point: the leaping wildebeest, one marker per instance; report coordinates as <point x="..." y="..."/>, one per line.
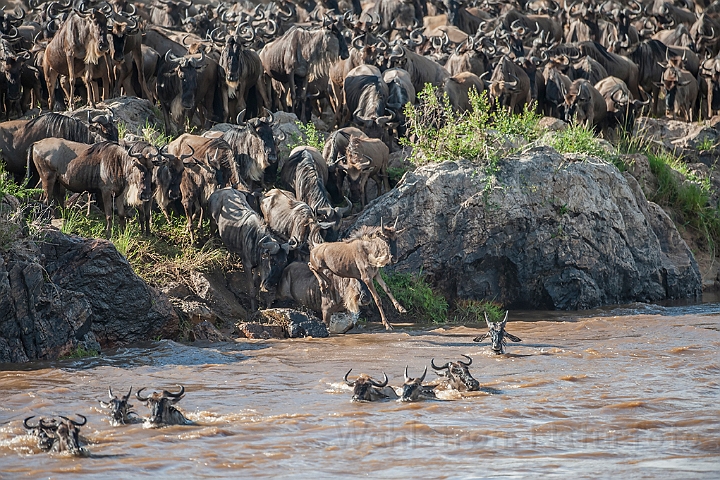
<point x="360" y="256"/>
<point x="162" y="408"/>
<point x="497" y="335"/>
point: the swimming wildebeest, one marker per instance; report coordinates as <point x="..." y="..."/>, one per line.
<point x="457" y="375"/>
<point x="413" y="389"/>
<point x="59" y="437"/>
<point x="497" y="335"/>
<point x="162" y="409"/>
<point x="120" y="409"/>
<point x="365" y="389"/>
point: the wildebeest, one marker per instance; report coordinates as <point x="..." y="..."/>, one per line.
<point x="104" y="168"/>
<point x="215" y="153"/>
<point x="457" y="375"/>
<point x="243" y="73"/>
<point x="365" y="389"/>
<point x="243" y="231"/>
<point x="413" y="389"/>
<point x="169" y="13"/>
<point x="366" y="158"/>
<point x="422" y="70"/>
<point x="177" y="87"/>
<point x="298" y="283"/>
<point x="584" y="104"/>
<point x="82" y="37"/>
<point x="59" y="437"/>
<point x="458" y="89"/>
<point x="302" y="173"/>
<point x="292" y="218"/>
<point x="162" y="408"/>
<point x="43" y="432"/>
<point x="366" y="94"/>
<point x="120" y="408"/>
<point x="360" y="256"/>
<point x="681" y="90"/>
<point x="17" y="136"/>
<point x="253" y="144"/>
<point x="305" y="54"/>
<point x="509" y="86"/>
<point x="621" y="108"/>
<point x="497" y="335"/>
<point x="333" y="151"/>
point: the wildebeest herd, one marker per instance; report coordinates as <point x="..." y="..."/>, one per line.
<point x="226" y="68"/>
<point x="62" y="434"/>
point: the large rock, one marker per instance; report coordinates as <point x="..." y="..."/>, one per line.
<point x="135" y="113"/>
<point x="297" y="324"/>
<point x="64" y="291"/>
<point x="544" y="231"/>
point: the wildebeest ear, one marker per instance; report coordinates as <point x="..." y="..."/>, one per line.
<point x="513" y="337"/>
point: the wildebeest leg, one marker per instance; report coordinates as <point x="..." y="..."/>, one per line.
<point x="188" y="214"/>
<point x="655" y="100"/>
<point x="382" y="284"/>
<point x="51" y="77"/>
<point x="70" y="57"/>
<point x="121" y="212"/>
<point x="368" y="281"/>
<point x="108" y="201"/>
<point x="323" y="280"/>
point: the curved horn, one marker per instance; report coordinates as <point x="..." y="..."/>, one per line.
<point x="174" y="395"/>
<point x="29" y="427"/>
<point x="110" y="394"/>
<point x="139" y="397"/>
<point x="345" y="210"/>
<point x="77" y="424"/>
<point x="374" y="383"/>
<point x="423" y="375"/>
<point x="348" y="382"/>
<point x="192" y="152"/>
<point x="432" y="364"/>
<point x="239" y="117"/>
<point x="406" y="374"/>
<point x="469" y="361"/>
<point x="127" y="397"/>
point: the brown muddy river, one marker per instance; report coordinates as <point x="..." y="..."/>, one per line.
<point x="632" y="393"/>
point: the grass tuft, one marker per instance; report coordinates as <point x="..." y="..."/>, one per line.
<point x="578" y="138"/>
<point x="473" y="311"/>
<point x="309" y="136"/>
<point x="414" y="293"/>
<point x="80" y="352"/>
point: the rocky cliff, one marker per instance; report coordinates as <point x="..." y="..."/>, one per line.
<point x="62" y="292"/>
<point x="544" y="231"/>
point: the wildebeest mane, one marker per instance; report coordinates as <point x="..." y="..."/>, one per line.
<point x="58" y="126"/>
<point x="354" y="88"/>
<point x="309" y="183"/>
<point x="363" y="233"/>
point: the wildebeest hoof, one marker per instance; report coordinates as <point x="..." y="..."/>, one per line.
<point x="401" y="309"/>
<point x="388" y="327"/>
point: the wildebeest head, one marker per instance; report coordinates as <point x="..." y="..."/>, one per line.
<point x="43" y="431"/>
<point x="578" y="102"/>
<point x="8" y="20"/>
<point x="97" y="24"/>
<point x="671" y="80"/>
<point x="365" y="389"/>
<point x="186" y="70"/>
<point x="119" y="31"/>
<point x="412" y="388"/>
<point x="263" y="129"/>
<point x="168" y="175"/>
<point x="496" y="332"/>
<point x="458" y="375"/>
<point x="120" y="409"/>
<point x="335" y="29"/>
<point x="65" y="435"/>
<point x="273" y="259"/>
<point x="356" y="163"/>
<point x="162" y="409"/>
<point x="139" y="179"/>
<point x="105" y="126"/>
<point x="230" y="58"/>
<point x="12" y="68"/>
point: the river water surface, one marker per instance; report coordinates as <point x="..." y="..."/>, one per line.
<point x="630" y="392"/>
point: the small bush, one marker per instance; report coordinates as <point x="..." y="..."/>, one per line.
<point x="80" y="352"/>
<point x="413" y="293"/>
<point x="310" y="136"/>
<point x="473" y="311"/>
<point x="577" y="138"/>
<point x="437" y="133"/>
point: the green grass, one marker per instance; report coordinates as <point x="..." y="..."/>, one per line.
<point x="437" y="134"/>
<point x="309" y="136"/>
<point x="165" y="256"/>
<point x="80" y="352"/>
<point x="706" y="144"/>
<point x="395" y="174"/>
<point x="155" y="136"/>
<point x="473" y="311"/>
<point x="9" y="187"/>
<point x="578" y="139"/>
<point x="414" y="293"/>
